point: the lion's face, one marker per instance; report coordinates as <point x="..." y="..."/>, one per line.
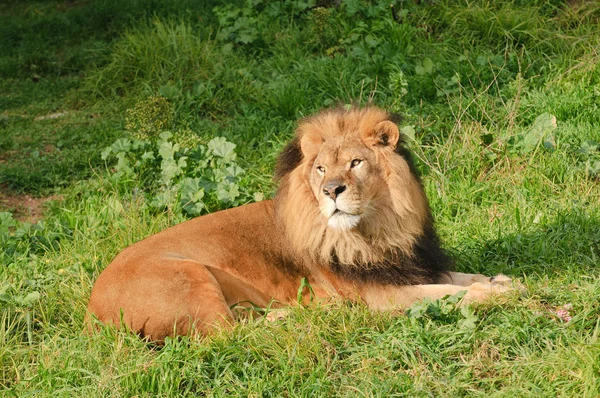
<point x="345" y="178"/>
<point x="347" y="191"/>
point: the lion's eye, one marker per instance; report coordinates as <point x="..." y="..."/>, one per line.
<point x="321" y="170"/>
<point x="356" y="163"/>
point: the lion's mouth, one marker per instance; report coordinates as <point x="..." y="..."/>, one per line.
<point x="343" y="221"/>
<point x="338" y="219"/>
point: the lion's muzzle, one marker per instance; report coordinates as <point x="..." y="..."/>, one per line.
<point x="333" y="189"/>
<point x="340" y="206"/>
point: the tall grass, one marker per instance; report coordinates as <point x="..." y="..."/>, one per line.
<point x="477" y="83"/>
<point x="154" y="55"/>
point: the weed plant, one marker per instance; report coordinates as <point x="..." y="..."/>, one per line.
<point x="141" y="114"/>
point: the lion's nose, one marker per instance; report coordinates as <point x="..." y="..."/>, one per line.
<point x="333" y="189"/>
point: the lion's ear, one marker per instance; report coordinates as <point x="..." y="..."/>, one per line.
<point x="310" y="143"/>
<point x="384" y="133"/>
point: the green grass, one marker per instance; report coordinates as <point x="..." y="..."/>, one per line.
<point x="510" y="192"/>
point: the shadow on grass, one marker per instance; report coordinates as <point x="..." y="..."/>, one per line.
<point x="571" y="243"/>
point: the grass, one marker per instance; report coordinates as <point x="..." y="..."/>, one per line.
<point x="512" y="191"/>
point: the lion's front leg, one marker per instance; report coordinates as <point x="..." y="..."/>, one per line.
<point x="462" y="279"/>
<point x="394" y="297"/>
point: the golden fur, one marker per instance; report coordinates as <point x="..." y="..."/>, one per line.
<point x="397" y="215"/>
<point x="350" y="216"/>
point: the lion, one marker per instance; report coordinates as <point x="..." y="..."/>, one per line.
<point x="349" y="220"/>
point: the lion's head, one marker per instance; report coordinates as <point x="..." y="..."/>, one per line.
<point x="348" y="192"/>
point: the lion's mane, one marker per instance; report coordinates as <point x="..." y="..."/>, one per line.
<point x="396" y="245"/>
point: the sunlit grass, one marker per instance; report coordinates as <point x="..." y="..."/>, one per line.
<point x="477" y="75"/>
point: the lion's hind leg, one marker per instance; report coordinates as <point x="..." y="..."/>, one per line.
<point x="206" y="309"/>
<point x="167" y="297"/>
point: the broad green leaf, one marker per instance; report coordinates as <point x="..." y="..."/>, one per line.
<point x="182" y="162"/>
<point x="169" y="170"/>
<point x="219" y="175"/>
<point x="408" y="132"/>
<point x="455" y="298"/>
<point x="227" y="192"/>
<point x="358" y="51"/>
<point x="30" y="298"/>
<point x="258" y="196"/>
<point x="592" y="167"/>
<point x="6" y="220"/>
<point x="428" y="65"/>
<point x="194" y="209"/>
<point x="123" y="167"/>
<point x="191" y="190"/>
<point x="234" y="170"/>
<point x="208" y="185"/>
<point x="167" y="149"/>
<point x="165" y="135"/>
<point x="470" y="320"/>
<point x="226" y="48"/>
<point x="191" y="196"/>
<point x="106" y="153"/>
<point x="24" y="229"/>
<point x="138" y="144"/>
<point x="588" y="147"/>
<point x="162" y="199"/>
<point x="247" y="37"/>
<point x="220" y="147"/>
<point x="199" y="165"/>
<point x="169" y="92"/>
<point x="549" y="143"/>
<point x="541" y="128"/>
<point x="417" y="310"/>
<point x="352" y="6"/>
<point x="487" y="139"/>
<point x="148" y="156"/>
<point x="481" y="60"/>
<point x="4" y="288"/>
<point x="121" y="145"/>
<point x="425" y="67"/>
<point x="371" y="41"/>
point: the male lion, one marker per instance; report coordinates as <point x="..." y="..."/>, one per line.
<point x="350" y="216"/>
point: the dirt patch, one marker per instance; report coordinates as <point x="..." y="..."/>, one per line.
<point x="51" y="116"/>
<point x="4" y="156"/>
<point x="24" y="207"/>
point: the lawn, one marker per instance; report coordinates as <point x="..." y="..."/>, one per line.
<point x="121" y="118"/>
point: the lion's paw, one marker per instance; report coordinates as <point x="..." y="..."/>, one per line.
<point x="512" y="284"/>
<point x="479" y="291"/>
<point x="277" y="315"/>
<point x="501" y="279"/>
